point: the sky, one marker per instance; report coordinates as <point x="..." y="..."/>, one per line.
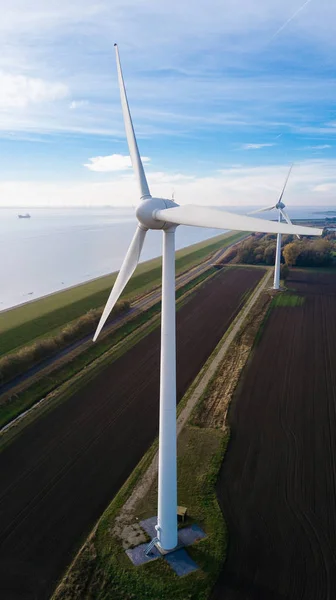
<point x="224" y="94"/>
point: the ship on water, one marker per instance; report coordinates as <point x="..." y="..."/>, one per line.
<point x="26" y="216"/>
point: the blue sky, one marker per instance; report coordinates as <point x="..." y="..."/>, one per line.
<point x="224" y="94"/>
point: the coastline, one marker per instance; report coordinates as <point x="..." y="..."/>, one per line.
<point x="59" y="299"/>
<point x="106" y="276"/>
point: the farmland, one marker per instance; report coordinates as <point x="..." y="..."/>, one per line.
<point x="277" y="482"/>
<point x="62" y="471"/>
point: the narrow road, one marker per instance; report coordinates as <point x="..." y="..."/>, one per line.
<point x="144" y="303"/>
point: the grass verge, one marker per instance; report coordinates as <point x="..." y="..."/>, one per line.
<point x="287" y="299"/>
<point x="18" y="362"/>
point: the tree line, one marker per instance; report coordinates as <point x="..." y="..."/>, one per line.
<point x="260" y="249"/>
<point x="19" y="361"/>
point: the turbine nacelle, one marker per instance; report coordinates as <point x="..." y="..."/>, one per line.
<point x="280" y="205"/>
<point x="147" y="210"/>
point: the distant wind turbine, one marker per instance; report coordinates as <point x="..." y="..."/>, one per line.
<point x="280" y="206"/>
<point x="166" y="215"/>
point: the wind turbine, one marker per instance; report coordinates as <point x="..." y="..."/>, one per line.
<point x="166" y="215"/>
<point x="280" y="206"/>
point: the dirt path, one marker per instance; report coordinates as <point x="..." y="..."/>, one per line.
<point x="212" y="411"/>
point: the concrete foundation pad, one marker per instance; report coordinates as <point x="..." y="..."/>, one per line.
<point x="178" y="558"/>
<point x="190" y="535"/>
<point x="180" y="562"/>
<point x="186" y="536"/>
<point x="149" y="526"/>
<point x="138" y="557"/>
<point x="164" y="552"/>
<point x="274" y="291"/>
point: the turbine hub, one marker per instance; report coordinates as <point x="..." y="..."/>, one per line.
<point x="145" y="212"/>
<point x="280" y="205"/>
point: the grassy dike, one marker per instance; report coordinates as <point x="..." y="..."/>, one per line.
<point x="102" y="570"/>
<point x="45" y="316"/>
<point x="96" y="356"/>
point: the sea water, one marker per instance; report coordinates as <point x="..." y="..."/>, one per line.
<point x="58" y="248"/>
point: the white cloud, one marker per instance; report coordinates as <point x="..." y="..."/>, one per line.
<point x="312" y="182"/>
<point x="255" y="146"/>
<point x="318" y="147"/>
<point x="160" y="177"/>
<point x="174" y="77"/>
<point x="77" y="104"/>
<point x="325" y="188"/>
<point x="18" y="91"/>
<point x="114" y="162"/>
<point x="43" y="39"/>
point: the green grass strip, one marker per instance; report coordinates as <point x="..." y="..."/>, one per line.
<point x="287" y="299"/>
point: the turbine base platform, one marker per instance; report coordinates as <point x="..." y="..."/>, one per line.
<point x="177" y="558"/>
<point x="166" y="552"/>
<point x="272" y="290"/>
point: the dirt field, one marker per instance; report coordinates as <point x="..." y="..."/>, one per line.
<point x="59" y="475"/>
<point x="277" y="483"/>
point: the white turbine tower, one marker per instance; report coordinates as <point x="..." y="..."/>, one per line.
<point x="165" y="215"/>
<point x="280" y="206"/>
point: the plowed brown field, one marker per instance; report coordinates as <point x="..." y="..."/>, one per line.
<point x="277" y="483"/>
<point x="62" y="471"/>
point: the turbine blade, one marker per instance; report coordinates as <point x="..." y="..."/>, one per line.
<point x="286" y="217"/>
<point x="260" y="210"/>
<point x="202" y="216"/>
<point x="131" y="139"/>
<point x="127" y="269"/>
<point x="284" y="187"/>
